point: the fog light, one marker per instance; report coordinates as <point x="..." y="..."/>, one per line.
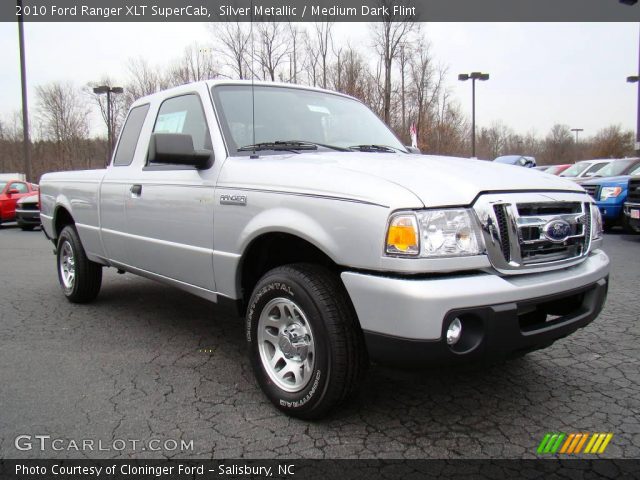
<point x="454" y="331"/>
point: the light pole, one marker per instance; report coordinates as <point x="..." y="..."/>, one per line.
<point x="577" y="130"/>
<point x="26" y="142"/>
<point x="473" y="76"/>
<point x="635" y="79"/>
<point x="102" y="89"/>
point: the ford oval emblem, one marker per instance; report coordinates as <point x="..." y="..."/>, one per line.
<point x="557" y="230"/>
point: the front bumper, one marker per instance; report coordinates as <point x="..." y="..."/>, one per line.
<point x="405" y="320"/>
<point x="28" y="217"/>
<point x="633" y="222"/>
<point x="611" y="212"/>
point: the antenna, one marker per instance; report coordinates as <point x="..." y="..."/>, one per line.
<point x="253" y="88"/>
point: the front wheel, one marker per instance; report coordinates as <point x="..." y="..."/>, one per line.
<point x="79" y="277"/>
<point x="306" y="347"/>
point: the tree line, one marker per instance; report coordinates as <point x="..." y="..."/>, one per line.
<point x="395" y="74"/>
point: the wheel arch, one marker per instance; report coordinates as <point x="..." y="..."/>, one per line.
<point x="272" y="249"/>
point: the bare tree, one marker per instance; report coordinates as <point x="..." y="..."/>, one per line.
<point x="311" y="60"/>
<point x="196" y="64"/>
<point x="388" y="35"/>
<point x="425" y="89"/>
<point x="63" y="117"/>
<point x="272" y="48"/>
<point x="324" y="43"/>
<point x="294" y="35"/>
<point x="612" y="142"/>
<point x="235" y="48"/>
<point x="143" y="80"/>
<point x="558" y="145"/>
<point x="118" y="104"/>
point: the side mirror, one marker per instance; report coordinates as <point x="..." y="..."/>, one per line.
<point x="177" y="149"/>
<point x="13" y="191"/>
<point x="413" y="149"/>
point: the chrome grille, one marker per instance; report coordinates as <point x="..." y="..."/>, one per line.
<point x="592" y="190"/>
<point x="523" y="232"/>
<point x="633" y="195"/>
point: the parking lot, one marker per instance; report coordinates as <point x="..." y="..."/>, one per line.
<point x="146" y="361"/>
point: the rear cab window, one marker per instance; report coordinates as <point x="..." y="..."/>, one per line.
<point x="130" y="135"/>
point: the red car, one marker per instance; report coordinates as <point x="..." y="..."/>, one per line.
<point x="557" y="169"/>
<point x="10" y="192"/>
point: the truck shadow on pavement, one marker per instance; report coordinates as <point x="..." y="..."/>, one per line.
<point x="194" y="332"/>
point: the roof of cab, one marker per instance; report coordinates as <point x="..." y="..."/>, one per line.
<point x="188" y="87"/>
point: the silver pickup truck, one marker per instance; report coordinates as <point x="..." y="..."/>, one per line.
<point x="336" y="243"/>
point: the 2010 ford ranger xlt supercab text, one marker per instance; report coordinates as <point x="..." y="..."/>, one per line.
<point x="338" y="245"/>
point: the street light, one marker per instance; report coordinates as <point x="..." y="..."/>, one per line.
<point x="636" y="79"/>
<point x="577" y="130"/>
<point x="101" y="90"/>
<point x="473" y="76"/>
<point x="26" y="142"/>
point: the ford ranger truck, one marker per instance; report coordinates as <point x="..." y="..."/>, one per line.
<point x="338" y="246"/>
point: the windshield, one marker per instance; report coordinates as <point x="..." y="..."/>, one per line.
<point x="575" y="170"/>
<point x="555" y="169"/>
<point x="619" y="167"/>
<point x="291" y="114"/>
<point x="635" y="171"/>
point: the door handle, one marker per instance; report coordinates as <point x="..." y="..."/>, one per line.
<point x="136" y="191"/>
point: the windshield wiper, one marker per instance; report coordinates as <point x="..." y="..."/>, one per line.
<point x="289" y="145"/>
<point x="279" y="145"/>
<point x="375" y="148"/>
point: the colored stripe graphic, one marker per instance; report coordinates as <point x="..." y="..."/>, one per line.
<point x="573" y="443"/>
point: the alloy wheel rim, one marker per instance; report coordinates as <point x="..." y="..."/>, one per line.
<point x="285" y="343"/>
<point x="67" y="266"/>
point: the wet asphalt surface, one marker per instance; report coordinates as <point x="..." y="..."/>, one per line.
<point x="146" y="367"/>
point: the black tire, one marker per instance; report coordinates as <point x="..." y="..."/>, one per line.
<point x="627" y="227"/>
<point x="27" y="228"/>
<point x="339" y="353"/>
<point x="87" y="277"/>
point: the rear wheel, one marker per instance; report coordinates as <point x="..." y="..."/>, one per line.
<point x="79" y="277"/>
<point x="306" y="347"/>
<point x="27" y="228"/>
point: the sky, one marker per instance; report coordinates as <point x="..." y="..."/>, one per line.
<point x="541" y="73"/>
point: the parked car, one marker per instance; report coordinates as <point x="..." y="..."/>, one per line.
<point x="557" y="169"/>
<point x="28" y="212"/>
<point x="542" y="168"/>
<point x="632" y="205"/>
<point x="610" y="192"/>
<point x="582" y="171"/>
<point x="519" y="160"/>
<point x="10" y="192"/>
<point x="300" y="207"/>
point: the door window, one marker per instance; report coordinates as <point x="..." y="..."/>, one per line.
<point x="184" y="114"/>
<point x="21" y="187"/>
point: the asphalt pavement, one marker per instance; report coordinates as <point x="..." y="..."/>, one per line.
<point x="150" y="371"/>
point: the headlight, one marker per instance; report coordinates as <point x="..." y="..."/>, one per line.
<point x="402" y="235"/>
<point x="596" y="223"/>
<point x="438" y="233"/>
<point x="610" y="192"/>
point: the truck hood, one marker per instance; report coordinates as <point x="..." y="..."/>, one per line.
<point x="395" y="180"/>
<point x="619" y="180"/>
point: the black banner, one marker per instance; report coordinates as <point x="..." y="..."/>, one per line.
<point x="320" y="10"/>
<point x="316" y="469"/>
